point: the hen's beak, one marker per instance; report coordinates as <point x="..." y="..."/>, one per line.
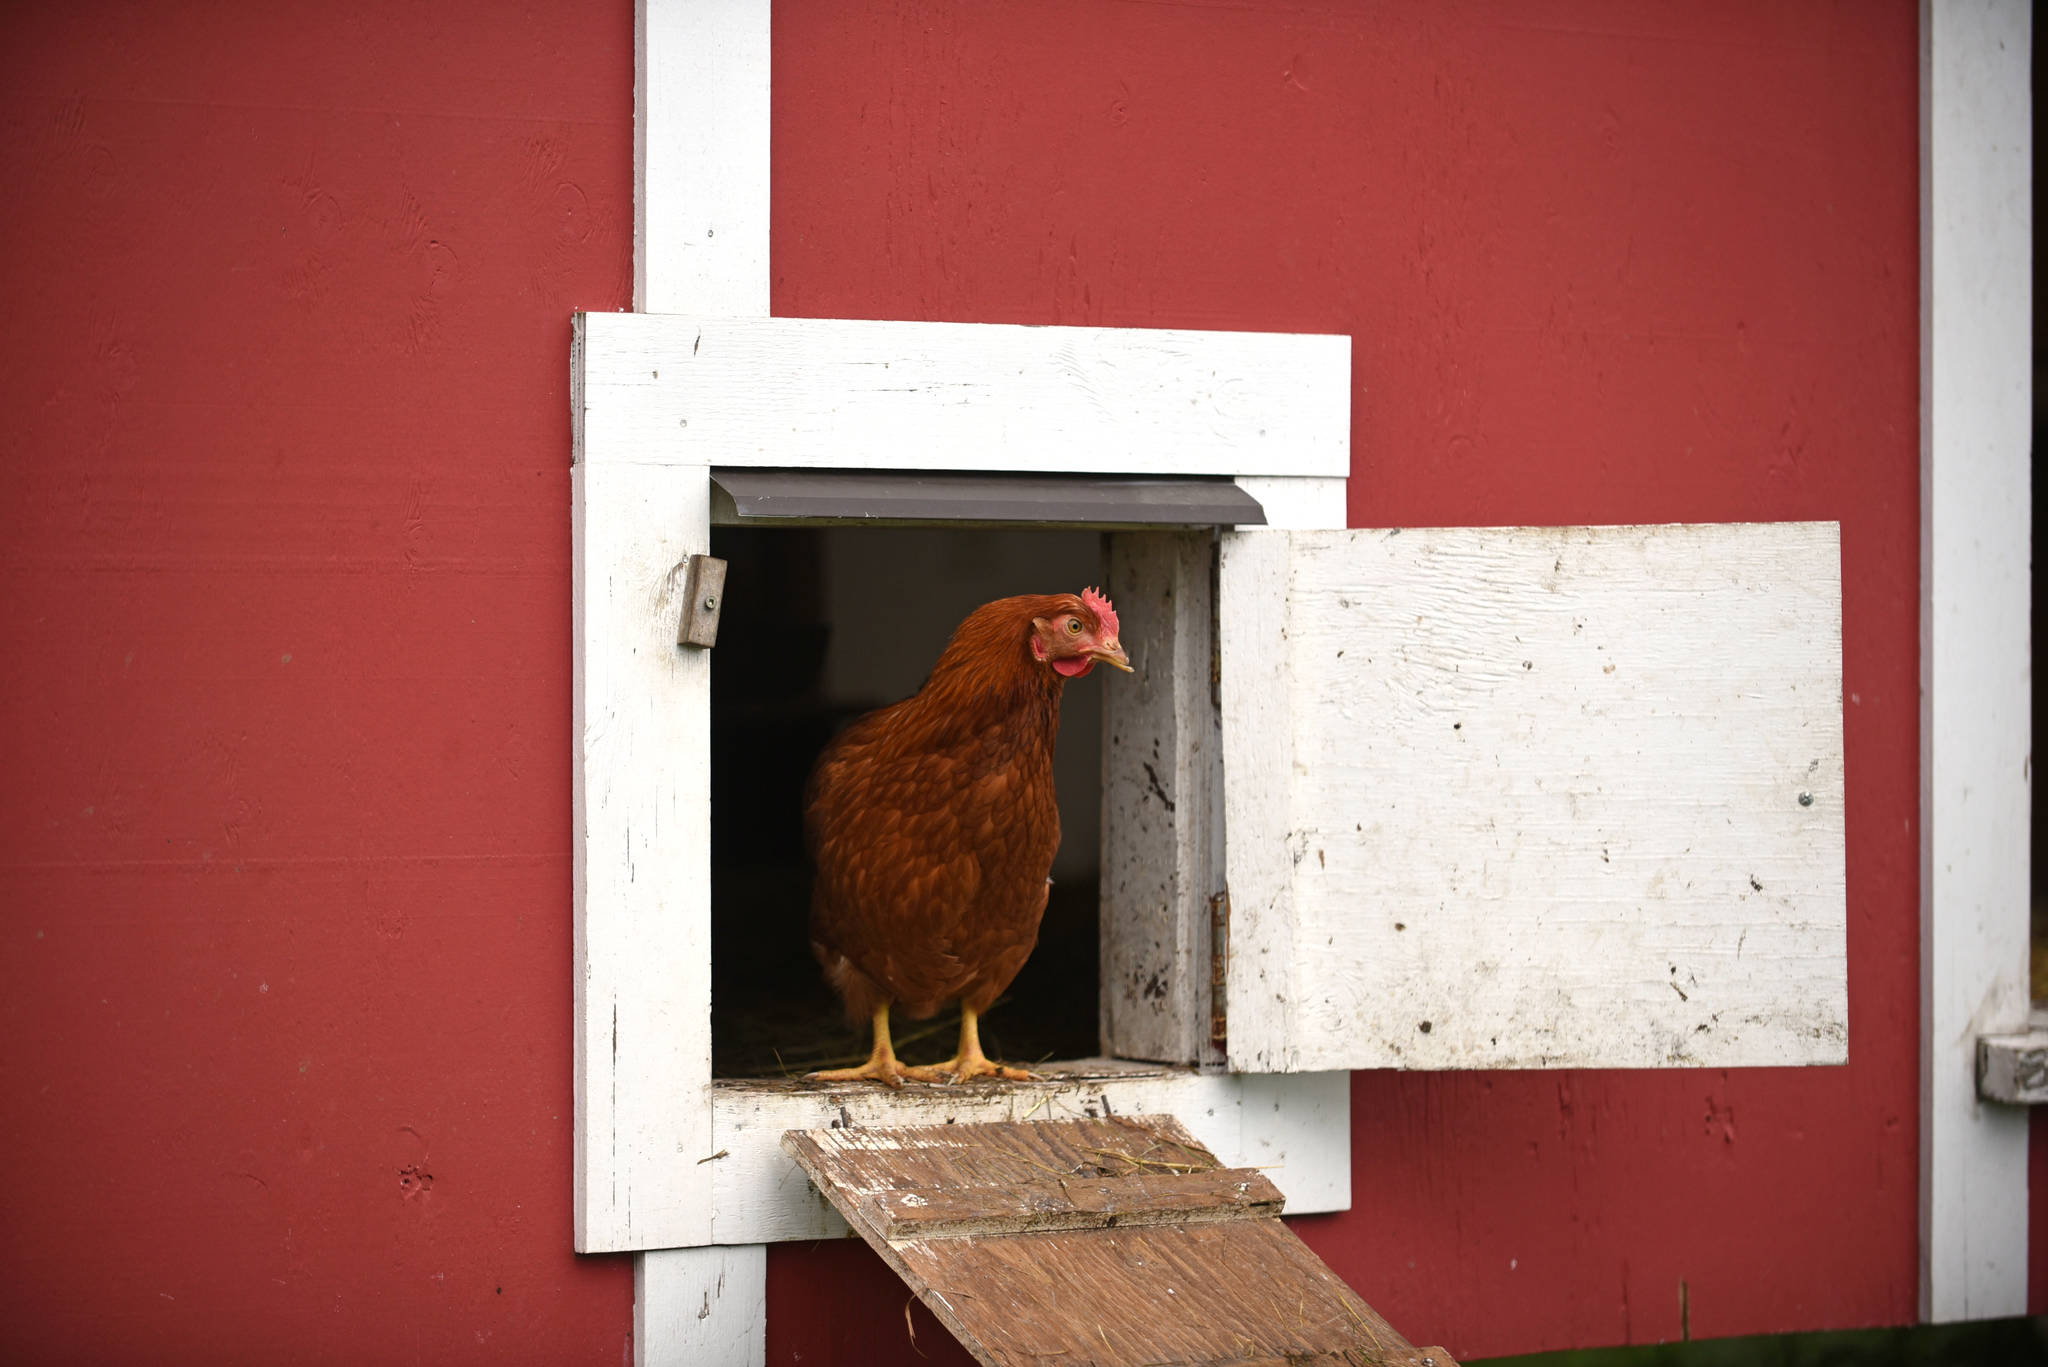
<point x="1109" y="652"/>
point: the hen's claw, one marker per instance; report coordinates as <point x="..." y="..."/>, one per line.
<point x="881" y="1066"/>
<point x="968" y="1061"/>
<point x="958" y="1070"/>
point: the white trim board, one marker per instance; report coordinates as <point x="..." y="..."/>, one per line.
<point x="701" y="1307"/>
<point x="825" y="392"/>
<point x="700" y="157"/>
<point x="1975" y="665"/>
<point x="640" y="858"/>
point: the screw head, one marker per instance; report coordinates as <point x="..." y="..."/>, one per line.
<point x="710" y="605"/>
<point x="1806" y="799"/>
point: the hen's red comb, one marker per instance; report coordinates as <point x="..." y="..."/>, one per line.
<point x="1105" y="615"/>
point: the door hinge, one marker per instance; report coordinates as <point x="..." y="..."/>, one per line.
<point x="1219" y="969"/>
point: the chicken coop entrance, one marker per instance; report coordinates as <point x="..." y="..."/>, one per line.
<point x="822" y="624"/>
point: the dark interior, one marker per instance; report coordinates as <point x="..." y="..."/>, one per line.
<point x="819" y="626"/>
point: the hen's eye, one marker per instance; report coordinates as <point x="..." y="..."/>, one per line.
<point x="1073" y="626"/>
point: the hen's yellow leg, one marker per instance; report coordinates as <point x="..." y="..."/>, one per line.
<point x="881" y="1065"/>
<point x="968" y="1061"/>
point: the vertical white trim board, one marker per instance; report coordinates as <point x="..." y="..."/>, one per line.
<point x="701" y="1307"/>
<point x="1975" y="667"/>
<point x="700" y="241"/>
<point x="640" y="854"/>
<point x="700" y="157"/>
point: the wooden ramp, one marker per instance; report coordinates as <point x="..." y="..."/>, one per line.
<point x="1096" y="1243"/>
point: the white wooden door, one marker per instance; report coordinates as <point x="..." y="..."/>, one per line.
<point x="1534" y="797"/>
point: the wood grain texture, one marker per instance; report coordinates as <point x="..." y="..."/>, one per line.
<point x="760" y="1196"/>
<point x="1976" y="680"/>
<point x="640" y="854"/>
<point x="1254" y="687"/>
<point x="1535" y="797"/>
<point x="1162" y="803"/>
<point x="1224" y="1284"/>
<point x="718" y="390"/>
<point x="1031" y="1205"/>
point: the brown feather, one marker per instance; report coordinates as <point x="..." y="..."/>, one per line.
<point x="933" y="824"/>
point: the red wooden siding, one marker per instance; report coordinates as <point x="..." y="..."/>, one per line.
<point x="284" y="699"/>
<point x="284" y="704"/>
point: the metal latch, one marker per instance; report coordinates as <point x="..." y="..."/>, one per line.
<point x="703" y="596"/>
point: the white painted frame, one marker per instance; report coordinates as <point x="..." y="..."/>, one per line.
<point x="1976" y="293"/>
<point x="830" y="393"/>
<point x="648" y="1110"/>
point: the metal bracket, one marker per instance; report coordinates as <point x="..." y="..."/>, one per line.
<point x="2014" y="1068"/>
<point x="703" y="596"/>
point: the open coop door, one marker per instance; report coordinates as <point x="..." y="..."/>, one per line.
<point x="1533" y="797"/>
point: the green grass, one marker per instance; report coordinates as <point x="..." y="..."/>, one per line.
<point x="1992" y="1343"/>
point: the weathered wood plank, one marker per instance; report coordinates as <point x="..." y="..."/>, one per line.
<point x="1534" y="797"/>
<point x="1145" y="1297"/>
<point x="1294" y="1128"/>
<point x="760" y="1194"/>
<point x="1162" y="803"/>
<point x="851" y="394"/>
<point x="1048" y="1203"/>
<point x="997" y="1156"/>
<point x="1255" y="686"/>
<point x="1236" y="1290"/>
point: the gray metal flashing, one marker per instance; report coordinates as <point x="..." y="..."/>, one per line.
<point x="759" y="497"/>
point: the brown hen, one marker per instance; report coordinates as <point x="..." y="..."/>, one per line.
<point x="933" y="826"/>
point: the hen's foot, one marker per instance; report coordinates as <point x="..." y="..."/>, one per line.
<point x="968" y="1061"/>
<point x="957" y="1069"/>
<point x="882" y="1068"/>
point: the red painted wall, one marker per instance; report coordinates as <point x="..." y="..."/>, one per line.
<point x="284" y="700"/>
<point x="284" y="689"/>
